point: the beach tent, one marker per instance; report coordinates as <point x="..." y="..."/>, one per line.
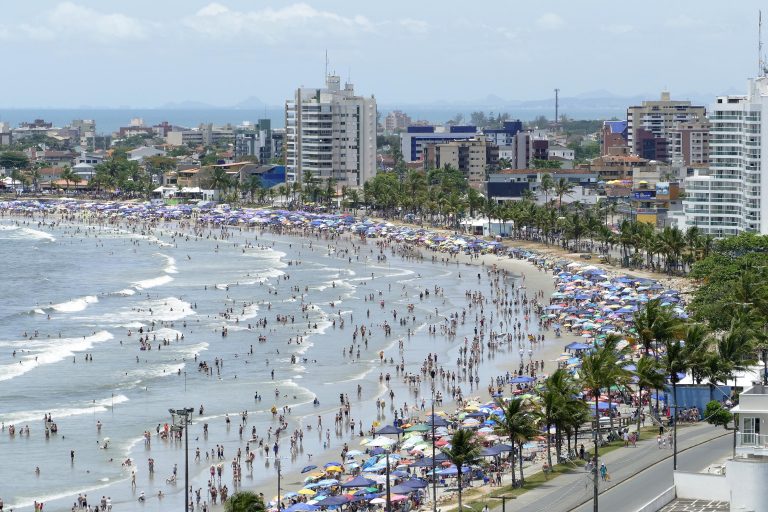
<point x="389" y="429"/>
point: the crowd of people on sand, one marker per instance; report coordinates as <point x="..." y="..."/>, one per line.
<point x="500" y="317"/>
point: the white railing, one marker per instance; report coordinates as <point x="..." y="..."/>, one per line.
<point x="750" y="439"/>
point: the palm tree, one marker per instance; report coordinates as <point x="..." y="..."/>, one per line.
<point x="618" y="376"/>
<point x="282" y="191"/>
<point x="464" y="450"/>
<point x="563" y="187"/>
<point x="546" y="185"/>
<point x="67" y="175"/>
<point x="219" y="179"/>
<point x="597" y="369"/>
<point x="244" y="501"/>
<point x="519" y="426"/>
<point x="253" y="185"/>
<point x="675" y="363"/>
<point x="655" y="324"/>
<point x="649" y="376"/>
<point x="557" y="401"/>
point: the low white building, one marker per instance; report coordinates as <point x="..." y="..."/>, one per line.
<point x="741" y="479"/>
<point x="140" y="153"/>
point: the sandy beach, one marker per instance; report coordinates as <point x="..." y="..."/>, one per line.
<point x="399" y="279"/>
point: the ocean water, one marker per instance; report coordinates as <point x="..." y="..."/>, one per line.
<point x="71" y="290"/>
<point x="109" y="120"/>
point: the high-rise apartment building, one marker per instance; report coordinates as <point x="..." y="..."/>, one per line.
<point x="254" y="140"/>
<point x="331" y="133"/>
<point x="733" y="195"/>
<point x="649" y="124"/>
<point x="472" y="157"/>
<point x="689" y="143"/>
<point x="396" y="121"/>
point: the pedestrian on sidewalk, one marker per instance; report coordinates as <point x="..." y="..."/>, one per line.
<point x="485" y="508"/>
<point x="603" y="472"/>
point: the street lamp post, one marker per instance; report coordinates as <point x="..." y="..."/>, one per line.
<point x="181" y="421"/>
<point x="434" y="463"/>
<point x="279" y="479"/>
<point x="389" y="501"/>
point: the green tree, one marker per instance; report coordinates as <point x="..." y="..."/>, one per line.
<point x="13" y="160"/>
<point x="563" y="187"/>
<point x="558" y="405"/>
<point x="649" y="376"/>
<point x="518" y="425"/>
<point x="599" y="370"/>
<point x="546" y="185"/>
<point x="716" y="414"/>
<point x="244" y="501"/>
<point x="253" y="185"/>
<point x="219" y="180"/>
<point x="68" y="176"/>
<point x="464" y="451"/>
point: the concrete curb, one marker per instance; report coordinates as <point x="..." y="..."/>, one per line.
<point x="649" y="467"/>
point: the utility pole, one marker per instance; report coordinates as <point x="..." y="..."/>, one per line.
<point x="434" y="463"/>
<point x="279" y="478"/>
<point x="182" y="418"/>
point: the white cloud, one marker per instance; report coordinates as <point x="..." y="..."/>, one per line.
<point x="617" y="29"/>
<point x="683" y="21"/>
<point x="273" y="25"/>
<point x="414" y="26"/>
<point x="550" y="21"/>
<point x="75" y="21"/>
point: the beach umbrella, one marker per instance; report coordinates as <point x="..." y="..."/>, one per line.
<point x="421" y="427"/>
<point x="332" y="501"/>
<point x="416" y="483"/>
<point x="358" y="481"/>
<point x="382" y="442"/>
<point x="301" y="507"/>
<point x="307" y="492"/>
<point x="402" y="489"/>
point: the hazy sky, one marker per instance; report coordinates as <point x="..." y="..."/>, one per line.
<point x="149" y="52"/>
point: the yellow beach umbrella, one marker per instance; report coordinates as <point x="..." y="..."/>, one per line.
<point x="307" y="492"/>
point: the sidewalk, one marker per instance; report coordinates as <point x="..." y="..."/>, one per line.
<point x="570" y="490"/>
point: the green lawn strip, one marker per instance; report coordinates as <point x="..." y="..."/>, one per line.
<point x="477" y="502"/>
<point x="532" y="481"/>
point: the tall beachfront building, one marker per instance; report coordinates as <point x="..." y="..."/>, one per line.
<point x="330" y="132"/>
<point x="649" y="125"/>
<point x="732" y="196"/>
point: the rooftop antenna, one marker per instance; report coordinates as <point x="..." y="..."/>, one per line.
<point x="326" y="62"/>
<point x="557" y="107"/>
<point x="761" y="66"/>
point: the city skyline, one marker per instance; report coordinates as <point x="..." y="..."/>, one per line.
<point x="233" y="52"/>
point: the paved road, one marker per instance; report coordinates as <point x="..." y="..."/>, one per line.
<point x="570" y="491"/>
<point x="635" y="492"/>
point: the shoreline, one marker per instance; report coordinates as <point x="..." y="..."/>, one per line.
<point x="535" y="280"/>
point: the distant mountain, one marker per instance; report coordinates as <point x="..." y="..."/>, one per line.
<point x="250" y="102"/>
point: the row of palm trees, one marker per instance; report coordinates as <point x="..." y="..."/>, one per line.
<point x="670" y="347"/>
<point x="441" y="197"/>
